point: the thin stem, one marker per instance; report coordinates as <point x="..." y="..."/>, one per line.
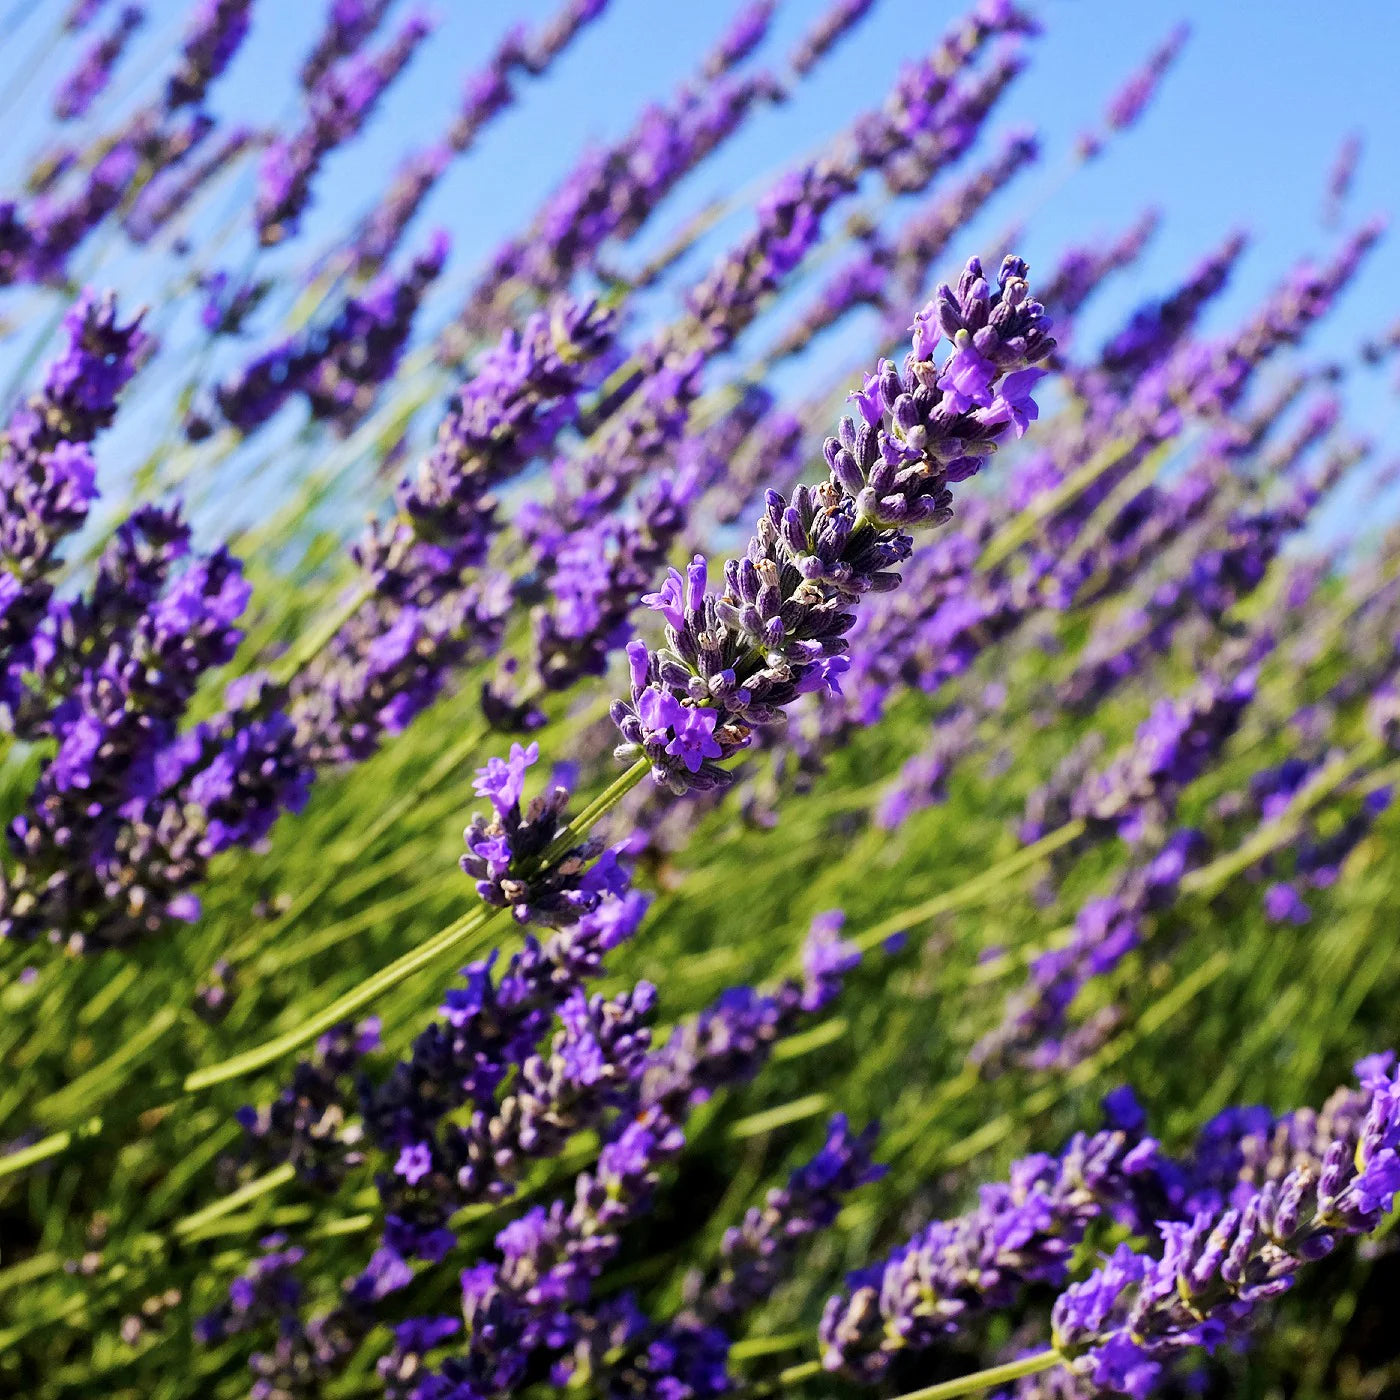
<point x="356" y="999"/>
<point x="315" y="642"/>
<point x="1022" y="527"/>
<point x="443" y="769"/>
<point x="971" y="889"/>
<point x="1277" y="833"/>
<point x="979" y="1381"/>
<point x="51" y="1146"/>
<point x="249" y="1191"/>
<point x="596" y="810"/>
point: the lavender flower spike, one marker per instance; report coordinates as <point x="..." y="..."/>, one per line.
<point x="829" y="28"/>
<point x="1132" y="1314"/>
<point x="81" y="87"/>
<point x="1022" y="1231"/>
<point x="734" y="661"/>
<point x="218" y="28"/>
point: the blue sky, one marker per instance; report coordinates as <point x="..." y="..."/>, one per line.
<point x="1241" y="135"/>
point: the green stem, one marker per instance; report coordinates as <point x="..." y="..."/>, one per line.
<point x="250" y="1191"/>
<point x="51" y="1146"/>
<point x="316" y="641"/>
<point x="973" y="1384"/>
<point x="1277" y="833"/>
<point x="356" y="999"/>
<point x="443" y="769"/>
<point x="979" y="1381"/>
<point x="1022" y="527"/>
<point x="448" y="940"/>
<point x="972" y="889"/>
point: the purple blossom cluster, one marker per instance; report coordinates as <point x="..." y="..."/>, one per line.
<point x="340" y="368"/>
<point x="337" y="107"/>
<point x="1135" y="1312"/>
<point x="48" y="484"/>
<point x="1023" y="1231"/>
<point x="81" y="87"/>
<point x="216" y="30"/>
<point x="778" y="629"/>
<point x="838" y="19"/>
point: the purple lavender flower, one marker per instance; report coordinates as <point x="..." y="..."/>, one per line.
<point x="1021" y="1232"/>
<point x="101" y="857"/>
<point x="216" y="29"/>
<point x="172" y="191"/>
<point x="1117" y="1327"/>
<point x="340" y="367"/>
<point x="56" y="227"/>
<point x="756" y="1254"/>
<point x="1138" y="790"/>
<point x="923" y="781"/>
<point x="428" y="613"/>
<point x="307" y="1125"/>
<point x="891" y="274"/>
<point x="1081" y="270"/>
<point x="841" y="17"/>
<point x="1105" y="931"/>
<point x="268" y="1289"/>
<point x="610" y="193"/>
<point x="1341" y="177"/>
<point x="349" y="23"/>
<point x="1155" y="327"/>
<point x="503" y="851"/>
<point x="533" y="1303"/>
<point x="741" y="657"/>
<point x="81" y="13"/>
<point x="383" y="228"/>
<point x="364" y="344"/>
<point x="81" y="87"/>
<point x="48" y="477"/>
<point x="746" y="32"/>
<point x="1128" y="104"/>
<point x="539" y="50"/>
<point x="337" y="108"/>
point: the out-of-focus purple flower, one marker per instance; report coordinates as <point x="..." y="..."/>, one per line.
<point x="746" y="32"/>
<point x="337" y="108"/>
<point x="1081" y="270"/>
<point x="1139" y="789"/>
<point x="836" y="21"/>
<point x="1106" y="930"/>
<point x="171" y="191"/>
<point x="216" y="29"/>
<point x="81" y="13"/>
<point x="340" y="367"/>
<point x="383" y="228"/>
<point x="1341" y="177"/>
<point x="756" y="1254"/>
<point x="1283" y="904"/>
<point x="1128" y="104"/>
<point x="349" y="23"/>
<point x="78" y="90"/>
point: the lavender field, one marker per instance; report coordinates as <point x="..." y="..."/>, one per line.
<point x="698" y="701"/>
